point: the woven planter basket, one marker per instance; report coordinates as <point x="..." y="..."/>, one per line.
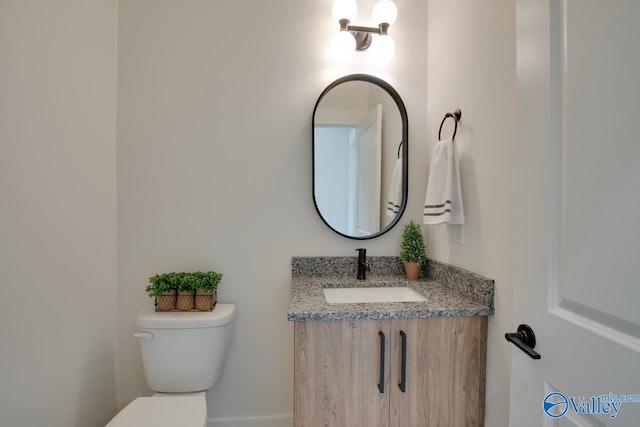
<point x="205" y="301"/>
<point x="166" y="301"/>
<point x="186" y="300"/>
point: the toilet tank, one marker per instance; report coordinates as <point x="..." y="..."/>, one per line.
<point x="185" y="351"/>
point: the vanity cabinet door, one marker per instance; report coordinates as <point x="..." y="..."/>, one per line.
<point x="337" y="372"/>
<point x="444" y="373"/>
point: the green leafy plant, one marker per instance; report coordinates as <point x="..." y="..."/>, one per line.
<point x="206" y="281"/>
<point x="160" y="283"/>
<point x="412" y="248"/>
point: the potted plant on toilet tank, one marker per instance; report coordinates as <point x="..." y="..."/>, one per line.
<point x="164" y="290"/>
<point x="412" y="250"/>
<point x="186" y="292"/>
<point x="206" y="289"/>
<point x="194" y="290"/>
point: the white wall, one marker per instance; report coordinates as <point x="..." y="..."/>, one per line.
<point x="57" y="212"/>
<point x="331" y="167"/>
<point x="214" y="169"/>
<point x="471" y="66"/>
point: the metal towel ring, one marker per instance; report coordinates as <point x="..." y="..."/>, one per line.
<point x="456" y="117"/>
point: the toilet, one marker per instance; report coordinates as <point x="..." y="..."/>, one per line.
<point x="183" y="354"/>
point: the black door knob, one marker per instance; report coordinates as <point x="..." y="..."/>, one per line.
<point x="524" y="339"/>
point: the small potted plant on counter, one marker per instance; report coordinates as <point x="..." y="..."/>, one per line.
<point x="164" y="290"/>
<point x="412" y="250"/>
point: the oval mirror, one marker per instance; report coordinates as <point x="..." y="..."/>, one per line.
<point x="360" y="156"/>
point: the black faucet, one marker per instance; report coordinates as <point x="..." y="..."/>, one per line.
<point x="362" y="263"/>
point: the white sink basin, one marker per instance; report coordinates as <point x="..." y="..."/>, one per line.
<point x="357" y="295"/>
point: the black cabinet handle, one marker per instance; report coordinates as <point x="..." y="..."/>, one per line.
<point x="381" y="383"/>
<point x="403" y="374"/>
<point x="524" y="339"/>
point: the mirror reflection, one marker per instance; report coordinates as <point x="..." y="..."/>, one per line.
<point x="359" y="156"/>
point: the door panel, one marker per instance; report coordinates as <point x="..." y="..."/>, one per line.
<point x="577" y="235"/>
<point x="598" y="71"/>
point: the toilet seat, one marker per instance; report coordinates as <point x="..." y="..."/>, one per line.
<point x="157" y="411"/>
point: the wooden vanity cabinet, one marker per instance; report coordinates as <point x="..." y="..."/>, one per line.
<point x="338" y="372"/>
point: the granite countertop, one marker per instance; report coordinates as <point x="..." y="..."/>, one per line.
<point x="449" y="290"/>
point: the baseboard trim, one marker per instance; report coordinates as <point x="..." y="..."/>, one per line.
<point x="264" y="421"/>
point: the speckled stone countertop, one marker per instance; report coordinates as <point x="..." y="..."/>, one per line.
<point x="449" y="290"/>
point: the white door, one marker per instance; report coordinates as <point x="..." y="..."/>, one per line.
<point x="368" y="149"/>
<point x="577" y="281"/>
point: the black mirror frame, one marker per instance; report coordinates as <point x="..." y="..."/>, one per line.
<point x="404" y="143"/>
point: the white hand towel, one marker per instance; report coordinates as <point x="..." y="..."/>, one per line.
<point x="395" y="190"/>
<point x="443" y="202"/>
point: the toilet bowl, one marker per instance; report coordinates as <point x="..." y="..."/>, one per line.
<point x="183" y="354"/>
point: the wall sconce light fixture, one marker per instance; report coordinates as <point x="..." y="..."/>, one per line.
<point x="352" y="38"/>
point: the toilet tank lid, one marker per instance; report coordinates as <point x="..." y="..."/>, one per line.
<point x="163" y="412"/>
<point x="150" y="319"/>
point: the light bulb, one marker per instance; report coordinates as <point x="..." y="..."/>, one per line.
<point x="384" y="12"/>
<point x="343" y="45"/>
<point x="384" y="47"/>
<point x="344" y="9"/>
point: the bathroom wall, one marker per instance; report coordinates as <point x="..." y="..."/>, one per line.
<point x="471" y="66"/>
<point x="57" y="212"/>
<point x="214" y="169"/>
<point x="214" y="160"/>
